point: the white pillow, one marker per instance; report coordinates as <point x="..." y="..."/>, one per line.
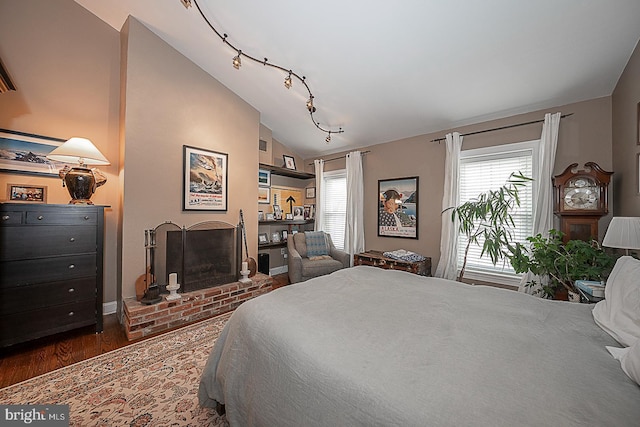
<point x="630" y="362"/>
<point x="619" y="313"/>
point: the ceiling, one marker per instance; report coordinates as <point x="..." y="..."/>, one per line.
<point x="386" y="70"/>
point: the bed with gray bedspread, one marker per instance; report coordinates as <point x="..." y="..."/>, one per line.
<point x="371" y="347"/>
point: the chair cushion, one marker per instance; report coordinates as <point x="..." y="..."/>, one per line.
<point x="300" y="244"/>
<point x="316" y="243"/>
<point x="319" y="268"/>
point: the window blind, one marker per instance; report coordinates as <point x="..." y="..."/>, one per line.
<point x="334" y="205"/>
<point x="483" y="170"/>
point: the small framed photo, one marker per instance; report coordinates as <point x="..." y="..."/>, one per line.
<point x="263" y="239"/>
<point x="269" y="216"/>
<point x="264" y="194"/>
<point x="298" y="212"/>
<point x="308" y="211"/>
<point x="264" y="178"/>
<point x="260" y="215"/>
<point x="277" y="212"/>
<point x="27" y="193"/>
<point x="289" y="216"/>
<point x="285" y="234"/>
<point x="275" y="237"/>
<point x="311" y="192"/>
<point x="289" y="162"/>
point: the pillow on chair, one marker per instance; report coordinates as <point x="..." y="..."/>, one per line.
<point x="316" y="243"/>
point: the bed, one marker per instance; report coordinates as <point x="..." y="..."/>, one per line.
<point x="371" y="347"/>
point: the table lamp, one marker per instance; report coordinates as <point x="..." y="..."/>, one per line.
<point x="80" y="180"/>
<point x="623" y="233"/>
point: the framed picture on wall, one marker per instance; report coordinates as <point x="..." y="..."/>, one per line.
<point x="289" y="162"/>
<point x="205" y="180"/>
<point x="264" y="178"/>
<point x="26" y="153"/>
<point x="311" y="193"/>
<point x="397" y="206"/>
<point x="264" y="194"/>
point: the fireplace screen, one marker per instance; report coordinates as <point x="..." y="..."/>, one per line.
<point x="203" y="256"/>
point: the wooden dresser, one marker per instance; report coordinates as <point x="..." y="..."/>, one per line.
<point x="377" y="259"/>
<point x="50" y="269"/>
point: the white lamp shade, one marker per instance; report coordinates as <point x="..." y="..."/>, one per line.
<point x="623" y="233"/>
<point x="78" y="150"/>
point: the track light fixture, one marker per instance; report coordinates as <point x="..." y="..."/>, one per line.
<point x="237" y="62"/>
<point x="288" y="82"/>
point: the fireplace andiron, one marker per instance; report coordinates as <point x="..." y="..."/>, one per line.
<point x="152" y="293"/>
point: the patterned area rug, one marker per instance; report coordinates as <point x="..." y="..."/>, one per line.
<point x="150" y="383"/>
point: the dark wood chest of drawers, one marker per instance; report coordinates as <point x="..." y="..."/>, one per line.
<point x="50" y="269"/>
<point x="377" y="259"/>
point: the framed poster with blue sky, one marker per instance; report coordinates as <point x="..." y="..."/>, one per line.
<point x="26" y="153"/>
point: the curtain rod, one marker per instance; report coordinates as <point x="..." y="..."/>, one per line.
<point x="501" y="128"/>
<point x="338" y="158"/>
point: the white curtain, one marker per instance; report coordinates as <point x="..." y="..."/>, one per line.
<point x="543" y="186"/>
<point x="354" y="227"/>
<point x="447" y="266"/>
<point x="319" y="167"/>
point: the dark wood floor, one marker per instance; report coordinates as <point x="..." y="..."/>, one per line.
<point x="27" y="360"/>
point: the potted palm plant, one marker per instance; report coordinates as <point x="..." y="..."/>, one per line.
<point x="486" y="220"/>
<point x="559" y="265"/>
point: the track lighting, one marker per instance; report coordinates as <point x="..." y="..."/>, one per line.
<point x="237" y="63"/>
<point x="288" y="81"/>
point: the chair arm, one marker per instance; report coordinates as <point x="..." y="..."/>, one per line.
<point x="341" y="256"/>
<point x="295" y="262"/>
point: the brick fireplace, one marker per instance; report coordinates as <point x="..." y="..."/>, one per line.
<point x="142" y="320"/>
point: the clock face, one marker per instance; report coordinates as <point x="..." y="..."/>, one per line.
<point x="581" y="194"/>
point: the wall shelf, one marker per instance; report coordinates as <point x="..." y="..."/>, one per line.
<point x="287" y="172"/>
<point x="287" y="222"/>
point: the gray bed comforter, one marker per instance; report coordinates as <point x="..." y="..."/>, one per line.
<point x="371" y="347"/>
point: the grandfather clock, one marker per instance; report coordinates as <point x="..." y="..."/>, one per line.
<point x="580" y="200"/>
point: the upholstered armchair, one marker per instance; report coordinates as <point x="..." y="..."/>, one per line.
<point x="313" y="254"/>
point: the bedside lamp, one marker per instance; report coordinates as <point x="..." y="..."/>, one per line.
<point x="80" y="180"/>
<point x="623" y="233"/>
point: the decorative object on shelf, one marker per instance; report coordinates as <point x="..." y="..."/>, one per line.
<point x="264" y="178"/>
<point x="263" y="238"/>
<point x="623" y="233"/>
<point x="205" y="180"/>
<point x="289" y="216"/>
<point x="173" y="287"/>
<point x="248" y="262"/>
<point x="285" y="234"/>
<point x="288" y="82"/>
<point x="26" y="153"/>
<point x="311" y="192"/>
<point x="277" y="212"/>
<point x="269" y="216"/>
<point x="275" y="237"/>
<point x="580" y="200"/>
<point x="298" y="213"/>
<point x="398" y="207"/>
<point x="289" y="162"/>
<point x="264" y="195"/>
<point x="309" y="211"/>
<point x="81" y="181"/>
<point x="27" y="193"/>
<point x="260" y="215"/>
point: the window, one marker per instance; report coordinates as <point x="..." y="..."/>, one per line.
<point x="334" y="205"/>
<point x="486" y="169"/>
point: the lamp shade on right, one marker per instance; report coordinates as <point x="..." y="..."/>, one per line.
<point x="623" y="233"/>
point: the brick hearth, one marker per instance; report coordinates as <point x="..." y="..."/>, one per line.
<point x="142" y="320"/>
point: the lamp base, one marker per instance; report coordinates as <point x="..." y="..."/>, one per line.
<point x="81" y="184"/>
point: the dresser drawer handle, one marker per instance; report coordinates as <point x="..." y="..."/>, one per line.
<point x="71" y="313"/>
<point x="71" y="290"/>
<point x="40" y="217"/>
<point x="87" y="217"/>
<point x="72" y="266"/>
<point x="73" y="239"/>
<point x="5" y="217"/>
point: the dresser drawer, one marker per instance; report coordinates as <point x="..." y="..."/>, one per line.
<point x="31" y="297"/>
<point x="77" y="216"/>
<point x="27" y="325"/>
<point x="11" y="218"/>
<point x="41" y="270"/>
<point x="33" y="242"/>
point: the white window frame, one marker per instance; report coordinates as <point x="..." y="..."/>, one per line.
<point x="338" y="241"/>
<point x="508" y="278"/>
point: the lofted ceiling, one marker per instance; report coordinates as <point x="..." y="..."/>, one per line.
<point x="386" y="70"/>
